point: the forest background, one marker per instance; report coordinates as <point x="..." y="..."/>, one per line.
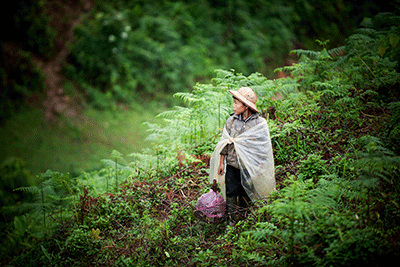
<point x="82" y="83"/>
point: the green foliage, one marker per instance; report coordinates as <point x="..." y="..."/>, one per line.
<point x="374" y="52"/>
<point x="28" y="35"/>
<point x="100" y="181"/>
<point x="14" y="174"/>
<point x="29" y="24"/>
<point x="125" y="51"/>
<point x="51" y="200"/>
<point x="312" y="223"/>
<point x="20" y="78"/>
<point x="130" y="50"/>
<point x="393" y="128"/>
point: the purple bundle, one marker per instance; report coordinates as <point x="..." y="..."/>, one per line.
<point x="211" y="204"/>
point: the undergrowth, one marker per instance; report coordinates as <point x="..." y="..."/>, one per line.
<point x="337" y="169"/>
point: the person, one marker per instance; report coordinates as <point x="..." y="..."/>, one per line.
<point x="239" y="186"/>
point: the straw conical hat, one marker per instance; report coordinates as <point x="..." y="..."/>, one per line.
<point x="247" y="96"/>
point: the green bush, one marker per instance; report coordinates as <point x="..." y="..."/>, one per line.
<point x="21" y="78"/>
<point x="132" y="50"/>
<point x="392" y="126"/>
<point x="28" y="34"/>
<point x="29" y="24"/>
<point x="14" y="174"/>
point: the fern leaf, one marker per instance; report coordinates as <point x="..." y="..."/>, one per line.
<point x="34" y="190"/>
<point x="337" y="51"/>
<point x="308" y="53"/>
<point x="187" y="97"/>
<point x="176" y="112"/>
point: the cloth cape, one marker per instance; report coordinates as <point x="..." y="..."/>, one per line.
<point x="256" y="161"/>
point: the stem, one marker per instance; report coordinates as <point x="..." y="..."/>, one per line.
<point x="116" y="175"/>
<point x="157" y="160"/>
<point x="219" y="115"/>
<point x="370" y="69"/>
<point x="195" y="135"/>
<point x="292" y="226"/>
<point x="292" y="236"/>
<point x="43" y="207"/>
<point x="107" y="179"/>
<point x="368" y="205"/>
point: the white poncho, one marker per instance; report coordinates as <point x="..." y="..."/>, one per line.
<point x="256" y="161"/>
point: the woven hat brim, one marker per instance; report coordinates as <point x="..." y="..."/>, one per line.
<point x="248" y="103"/>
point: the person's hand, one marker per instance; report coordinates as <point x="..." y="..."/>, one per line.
<point x="221" y="169"/>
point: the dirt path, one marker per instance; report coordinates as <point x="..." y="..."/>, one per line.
<point x="65" y="16"/>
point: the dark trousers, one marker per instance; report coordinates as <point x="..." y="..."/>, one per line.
<point x="233" y="182"/>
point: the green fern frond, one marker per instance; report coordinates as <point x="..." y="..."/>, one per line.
<point x="181" y="112"/>
<point x="188" y="97"/>
<point x="337" y="51"/>
<point x="34" y="190"/>
<point x="323" y="85"/>
<point x="262" y="230"/>
<point x="287" y="87"/>
<point x="308" y="53"/>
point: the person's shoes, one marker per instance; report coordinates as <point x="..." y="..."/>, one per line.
<point x="230" y="210"/>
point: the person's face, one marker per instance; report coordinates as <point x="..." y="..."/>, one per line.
<point x="238" y="107"/>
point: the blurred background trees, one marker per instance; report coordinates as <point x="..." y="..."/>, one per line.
<point x="128" y="51"/>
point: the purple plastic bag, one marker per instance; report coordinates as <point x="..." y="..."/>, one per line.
<point x="211" y="204"/>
